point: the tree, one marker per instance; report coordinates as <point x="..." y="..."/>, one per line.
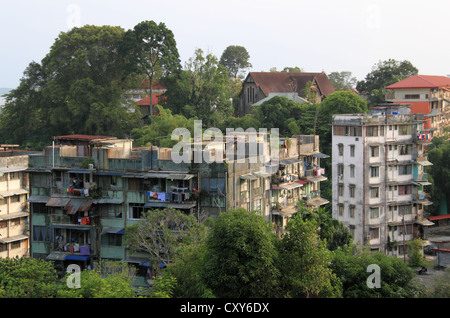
<point x="27" y="278"/>
<point x="158" y="234"/>
<point x="342" y="81"/>
<point x="440" y="174"/>
<point x="305" y="262"/>
<point x="239" y="260"/>
<point x="383" y="74"/>
<point x="294" y="69"/>
<point x="188" y="266"/>
<point x="202" y="90"/>
<point x="151" y="50"/>
<point x="110" y="280"/>
<point x="159" y="132"/>
<point x="78" y="82"/>
<point x="350" y="264"/>
<point x="331" y="231"/>
<point x="235" y="59"/>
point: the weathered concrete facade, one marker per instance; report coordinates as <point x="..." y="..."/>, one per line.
<point x="379" y="179"/>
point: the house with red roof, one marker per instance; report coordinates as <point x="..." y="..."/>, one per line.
<point x="140" y="96"/>
<point x="428" y="95"/>
<point x="261" y="86"/>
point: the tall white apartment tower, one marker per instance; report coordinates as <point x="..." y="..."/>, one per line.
<point x="378" y="179"/>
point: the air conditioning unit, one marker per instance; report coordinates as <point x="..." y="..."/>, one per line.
<point x="91" y="166"/>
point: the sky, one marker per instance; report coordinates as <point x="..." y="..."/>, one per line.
<point x="320" y="35"/>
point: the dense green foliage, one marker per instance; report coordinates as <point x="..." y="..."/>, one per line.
<point x="440" y="174"/>
<point x="235" y="59"/>
<point x="239" y="256"/>
<point x="396" y="278"/>
<point x="383" y="74"/>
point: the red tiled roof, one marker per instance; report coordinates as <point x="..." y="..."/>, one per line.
<point x="83" y="137"/>
<point x="439" y="217"/>
<point x="146" y="101"/>
<point x="277" y="82"/>
<point x="421" y="81"/>
<point x="145" y="85"/>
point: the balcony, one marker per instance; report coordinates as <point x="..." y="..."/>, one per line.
<point x="314" y="199"/>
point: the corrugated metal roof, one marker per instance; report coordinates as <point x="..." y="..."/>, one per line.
<point x="75" y="205"/>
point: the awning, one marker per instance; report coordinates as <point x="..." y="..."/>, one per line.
<point x="289" y="161"/>
<point x="109" y="173"/>
<point x="14" y="215"/>
<point x="261" y="174"/>
<point x="317" y="201"/>
<point x="424" y="163"/>
<point x="75" y="205"/>
<point x="4" y="170"/>
<point x="108" y="201"/>
<point x="301" y="181"/>
<point x="424" y="222"/>
<point x="155" y="175"/>
<point x="10" y="193"/>
<point x="13" y="238"/>
<point x="113" y="230"/>
<point x="182" y="206"/>
<point x="38" y="199"/>
<point x="248" y="176"/>
<point x="155" y="204"/>
<point x="73" y="257"/>
<point x="70" y="227"/>
<point x="180" y="176"/>
<point x="80" y="171"/>
<point x="290" y="186"/>
<point x="58" y="202"/>
<point x="321" y="155"/>
<point x="56" y="257"/>
<point x="317" y="179"/>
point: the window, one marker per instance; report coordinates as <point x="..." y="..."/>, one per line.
<point x="352" y="150"/>
<point x="111" y="239"/>
<point x="340" y="170"/>
<point x="404" y="149"/>
<point x="375" y="192"/>
<point x="372" y="131"/>
<point x="404" y="169"/>
<point x="352" y="211"/>
<point x="404" y="189"/>
<point x="42" y="234"/>
<point x="374" y="233"/>
<point x="250" y="94"/>
<point x="404" y="209"/>
<point x="374" y="151"/>
<point x="136" y="210"/>
<point x="341" y="209"/>
<point x="352" y="171"/>
<point x="374" y="212"/>
<point x="412" y="96"/>
<point x="351" y="189"/>
<point x="15" y="245"/>
<point x="217" y="185"/>
<point x="341" y="149"/>
<point x="405" y="129"/>
<point x="340" y="190"/>
<point x="374" y="172"/>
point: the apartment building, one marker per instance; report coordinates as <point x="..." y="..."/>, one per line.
<point x="297" y="177"/>
<point x="14" y="214"/>
<point x="428" y="95"/>
<point x="379" y="179"/>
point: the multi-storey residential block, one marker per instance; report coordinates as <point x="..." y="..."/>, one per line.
<point x="379" y="179"/>
<point x="428" y="95"/>
<point x="14" y="226"/>
<point x="297" y="177"/>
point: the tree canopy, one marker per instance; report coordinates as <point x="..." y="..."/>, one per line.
<point x="235" y="59"/>
<point x="383" y="74"/>
<point x="79" y="81"/>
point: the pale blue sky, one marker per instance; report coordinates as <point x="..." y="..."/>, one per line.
<point x="320" y="35"/>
